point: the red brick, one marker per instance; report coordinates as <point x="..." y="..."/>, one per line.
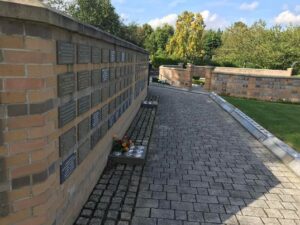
<point x="24" y="84"/>
<point x="28" y="146"/>
<point x="12" y="97"/>
<point x="26" y="121"/>
<point x="28" y="57"/>
<point x="11" y="42"/>
<point x="31" y="202"/>
<point x="9" y="70"/>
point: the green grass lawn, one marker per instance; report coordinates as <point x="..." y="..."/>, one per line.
<point x="282" y="119"/>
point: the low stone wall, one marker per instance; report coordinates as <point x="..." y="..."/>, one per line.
<point x="258" y="87"/>
<point x="176" y="76"/>
<point x="255" y="72"/>
<point x="65" y="89"/>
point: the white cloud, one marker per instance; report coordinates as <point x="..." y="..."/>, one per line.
<point x="175" y="3"/>
<point x="249" y="6"/>
<point x="287" y="17"/>
<point x="169" y="19"/>
<point x="212" y="20"/>
<point x="124" y="17"/>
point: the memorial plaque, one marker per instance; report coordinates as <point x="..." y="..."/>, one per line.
<point x="84" y="104"/>
<point x="112" y="74"/>
<point x="105" y="75"/>
<point x="67" y="113"/>
<point x="95" y="138"/>
<point x="96" y="55"/>
<point x="112" y="89"/>
<point x="65" y="53"/>
<point x="104" y="93"/>
<point x="104" y="129"/>
<point x="104" y="112"/>
<point x="83" y="80"/>
<point x="67" y="141"/>
<point x="112" y="106"/>
<point x="96" y="119"/>
<point x="83" y="54"/>
<point x="123" y="56"/>
<point x="66" y="84"/>
<point x="67" y="168"/>
<point x="2" y="170"/>
<point x="119" y="56"/>
<point x="83" y="129"/>
<point x="118" y="101"/>
<point x="112" y="56"/>
<point x="96" y="98"/>
<point x="118" y="72"/>
<point x="96" y="78"/>
<point x="105" y="55"/>
<point x="111" y="121"/>
<point x="83" y="150"/>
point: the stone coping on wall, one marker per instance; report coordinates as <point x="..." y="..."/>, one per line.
<point x="257" y="76"/>
<point x="284" y="152"/>
<point x="40" y="13"/>
<point x="173" y="68"/>
<point x="253" y="72"/>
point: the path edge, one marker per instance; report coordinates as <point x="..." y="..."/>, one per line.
<point x="289" y="156"/>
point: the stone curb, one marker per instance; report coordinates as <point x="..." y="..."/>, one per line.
<point x="178" y="89"/>
<point x="285" y="153"/>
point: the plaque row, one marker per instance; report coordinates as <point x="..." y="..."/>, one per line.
<point x="99" y="123"/>
<point x="70" y="53"/>
<point x="67" y="84"/>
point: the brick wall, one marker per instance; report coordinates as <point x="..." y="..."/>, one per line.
<point x="65" y="90"/>
<point x="258" y="87"/>
<point x="176" y="76"/>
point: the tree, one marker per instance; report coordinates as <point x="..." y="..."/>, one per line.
<point x="211" y="41"/>
<point x="99" y="13"/>
<point x="156" y="42"/>
<point x="187" y="42"/>
<point x="136" y="34"/>
<point x="60" y="5"/>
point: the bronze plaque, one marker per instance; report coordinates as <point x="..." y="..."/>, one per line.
<point x="123" y="56"/>
<point x="105" y="75"/>
<point x="112" y="89"/>
<point x="112" y="74"/>
<point x="2" y="170"/>
<point x="67" y="168"/>
<point x="96" y="55"/>
<point x="96" y="78"/>
<point x="83" y="54"/>
<point x="96" y="98"/>
<point x="96" y="119"/>
<point x="112" y="56"/>
<point x="105" y="55"/>
<point x="83" y="129"/>
<point x="67" y="113"/>
<point x="65" y="53"/>
<point x="118" y="72"/>
<point x="84" y="104"/>
<point x="83" y="150"/>
<point x="105" y="93"/>
<point x="66" y="84"/>
<point x="104" y="129"/>
<point x="67" y="141"/>
<point x="104" y="112"/>
<point x="83" y="80"/>
<point x="96" y="136"/>
<point x="4" y="207"/>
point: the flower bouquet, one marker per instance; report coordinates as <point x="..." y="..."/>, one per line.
<point x="122" y="145"/>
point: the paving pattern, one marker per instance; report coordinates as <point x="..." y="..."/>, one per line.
<point x="202" y="168"/>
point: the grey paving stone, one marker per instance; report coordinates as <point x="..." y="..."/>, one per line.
<point x="182" y="206"/>
<point x="82" y="221"/>
<point x="95" y="221"/>
<point x="147" y="203"/>
<point x="162" y="213"/>
<point x="169" y="222"/>
<point x="212" y="218"/>
<point x="180" y="215"/>
<point x="143" y="221"/>
<point x="195" y="216"/>
<point x="142" y="212"/>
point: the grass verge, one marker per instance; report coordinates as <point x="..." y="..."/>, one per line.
<point x="282" y="119"/>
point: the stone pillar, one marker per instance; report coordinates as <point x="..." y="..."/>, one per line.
<point x="208" y="76"/>
<point x="189" y="75"/>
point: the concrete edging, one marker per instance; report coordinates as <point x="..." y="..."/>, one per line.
<point x="285" y="153"/>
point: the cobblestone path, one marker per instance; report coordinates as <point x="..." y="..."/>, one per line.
<point x="202" y="168"/>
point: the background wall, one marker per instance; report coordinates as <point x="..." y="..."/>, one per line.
<point x="65" y="89"/>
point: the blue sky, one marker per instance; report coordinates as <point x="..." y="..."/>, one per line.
<point x="217" y="13"/>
